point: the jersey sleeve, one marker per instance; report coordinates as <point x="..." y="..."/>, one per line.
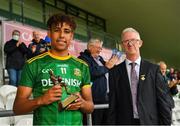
<point x="27" y="78"/>
<point x="86" y="81"/>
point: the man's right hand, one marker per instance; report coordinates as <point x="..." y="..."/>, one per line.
<point x="110" y="64"/>
<point x="51" y="95"/>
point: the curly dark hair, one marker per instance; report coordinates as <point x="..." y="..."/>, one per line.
<point x="59" y="18"/>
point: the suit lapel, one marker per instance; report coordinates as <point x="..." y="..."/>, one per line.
<point x="126" y="82"/>
<point x="142" y="75"/>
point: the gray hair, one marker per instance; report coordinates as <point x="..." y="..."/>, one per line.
<point x="92" y="41"/>
<point x="161" y="62"/>
<point x="130" y="30"/>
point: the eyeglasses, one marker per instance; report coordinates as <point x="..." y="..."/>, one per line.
<point x="131" y="40"/>
<point x="97" y="47"/>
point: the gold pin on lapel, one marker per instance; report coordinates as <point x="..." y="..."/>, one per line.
<point x="143" y="77"/>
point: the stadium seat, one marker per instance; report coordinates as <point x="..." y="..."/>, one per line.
<point x="178" y="87"/>
<point x="20" y="117"/>
<point x="176" y="111"/>
<point x="178" y="115"/>
<point x="2" y="106"/>
<point x="9" y="104"/>
<point x="5" y="90"/>
<point x="173" y="116"/>
<point x="5" y="121"/>
<point x="25" y="122"/>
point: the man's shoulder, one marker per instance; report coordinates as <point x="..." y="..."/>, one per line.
<point x="79" y="60"/>
<point x="11" y="40"/>
<point x="85" y="53"/>
<point x="37" y="58"/>
<point x="119" y="67"/>
<point x="85" y="56"/>
<point x="122" y="64"/>
<point x="149" y="63"/>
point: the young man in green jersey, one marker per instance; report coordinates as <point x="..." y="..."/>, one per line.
<point x="47" y="96"/>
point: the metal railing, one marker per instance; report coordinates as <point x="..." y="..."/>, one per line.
<point x="6" y="113"/>
<point x="99" y="106"/>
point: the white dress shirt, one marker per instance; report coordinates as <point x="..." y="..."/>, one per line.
<point x="137" y="68"/>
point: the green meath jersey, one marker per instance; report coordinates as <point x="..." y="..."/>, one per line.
<point x="74" y="73"/>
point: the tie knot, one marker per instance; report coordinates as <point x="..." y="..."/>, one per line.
<point x="133" y="64"/>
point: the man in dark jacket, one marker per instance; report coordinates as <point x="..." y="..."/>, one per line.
<point x="138" y="94"/>
<point x="37" y="46"/>
<point x="99" y="76"/>
<point x="15" y="59"/>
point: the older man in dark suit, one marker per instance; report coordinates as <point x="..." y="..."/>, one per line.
<point x="138" y="95"/>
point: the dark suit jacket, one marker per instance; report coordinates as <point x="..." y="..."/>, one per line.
<point x="154" y="102"/>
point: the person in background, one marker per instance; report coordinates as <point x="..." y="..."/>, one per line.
<point x="16" y="52"/>
<point x="37" y="46"/>
<point x="176" y="74"/>
<point x="138" y="94"/>
<point x="170" y="75"/>
<point x="48" y="41"/>
<point x="100" y="78"/>
<point x="163" y="68"/>
<point x="48" y="96"/>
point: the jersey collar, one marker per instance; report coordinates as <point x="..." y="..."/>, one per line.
<point x="59" y="57"/>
